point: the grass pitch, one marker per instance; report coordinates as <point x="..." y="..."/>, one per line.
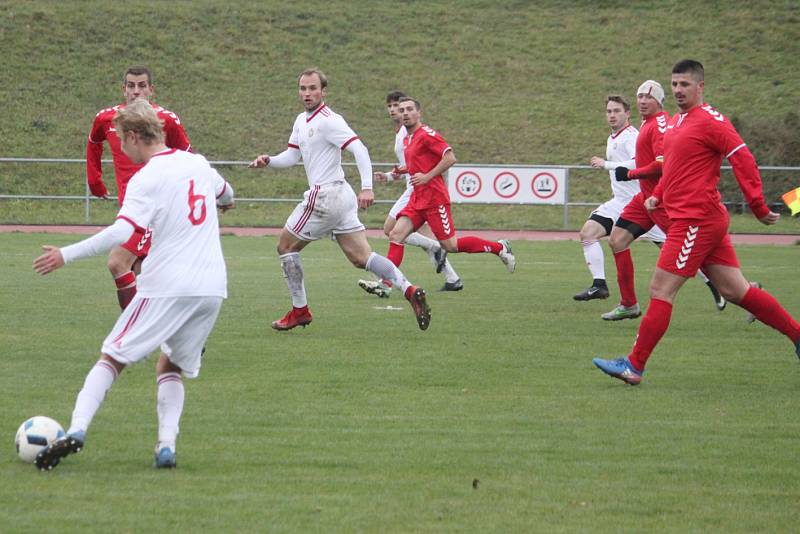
<point x="492" y="420"/>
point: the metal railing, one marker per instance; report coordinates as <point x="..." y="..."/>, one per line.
<point x="87" y="197"/>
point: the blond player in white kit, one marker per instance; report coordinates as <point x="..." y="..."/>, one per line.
<point x="330" y="206"/>
<point x="180" y="289"/>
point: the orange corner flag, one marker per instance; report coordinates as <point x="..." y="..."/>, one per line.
<point x="792" y="199"/>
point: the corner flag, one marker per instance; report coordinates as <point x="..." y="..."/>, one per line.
<point x="792" y="199"/>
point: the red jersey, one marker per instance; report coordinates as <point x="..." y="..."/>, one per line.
<point x="103" y="130"/>
<point x="423" y="150"/>
<point x="650" y="152"/>
<point x="694" y="145"/>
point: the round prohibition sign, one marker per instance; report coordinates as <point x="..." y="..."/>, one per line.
<point x="544" y="185"/>
<point x="506" y="184"/>
<point x="468" y="184"/>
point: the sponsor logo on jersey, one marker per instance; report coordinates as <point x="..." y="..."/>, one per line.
<point x="311" y="132"/>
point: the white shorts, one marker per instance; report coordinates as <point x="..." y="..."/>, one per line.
<point x="325" y="209"/>
<point x="179" y="325"/>
<point x="613" y="209"/>
<point x="401" y="203"/>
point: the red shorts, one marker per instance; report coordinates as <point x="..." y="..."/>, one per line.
<point x="437" y="217"/>
<point x="635" y="212"/>
<point x="139" y="243"/>
<point x="693" y="243"/>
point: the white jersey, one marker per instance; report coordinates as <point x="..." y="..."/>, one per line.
<point x="321" y="136"/>
<point x="401" y="134"/>
<point x="174" y="197"/>
<point x="621" y="152"/>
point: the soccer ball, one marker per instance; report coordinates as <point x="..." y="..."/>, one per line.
<point x="34" y="435"/>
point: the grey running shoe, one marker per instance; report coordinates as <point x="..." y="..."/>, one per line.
<point x="719" y="300"/>
<point x="622" y="312"/>
<point x="441" y="258"/>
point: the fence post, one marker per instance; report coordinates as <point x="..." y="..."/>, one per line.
<point x="566" y="199"/>
<point x="87" y="201"/>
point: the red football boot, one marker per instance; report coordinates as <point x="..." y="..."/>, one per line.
<point x="295" y="317"/>
<point x="416" y="297"/>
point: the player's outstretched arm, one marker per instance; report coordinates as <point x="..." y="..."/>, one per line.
<point x="49" y="261"/>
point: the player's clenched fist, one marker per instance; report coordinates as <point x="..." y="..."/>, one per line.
<point x="260" y="161"/>
<point x="49" y="261"/>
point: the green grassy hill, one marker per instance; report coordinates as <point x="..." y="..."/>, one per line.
<point x="514" y="82"/>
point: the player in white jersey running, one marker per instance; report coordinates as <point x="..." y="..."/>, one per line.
<point x="424" y="237"/>
<point x="180" y="290"/>
<point x="330" y="206"/>
<point x="620" y="151"/>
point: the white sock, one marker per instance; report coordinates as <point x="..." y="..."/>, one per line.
<point x="169" y="408"/>
<point x="293" y="274"/>
<point x="593" y="253"/>
<point x="702" y="276"/>
<point x="450" y="275"/>
<point x="97" y="383"/>
<point x="386" y="270"/>
<point x="418" y="240"/>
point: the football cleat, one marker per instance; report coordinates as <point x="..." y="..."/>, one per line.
<point x="719" y="300"/>
<point x="591" y="293"/>
<point x="507" y="257"/>
<point x="750" y="317"/>
<point x="620" y="368"/>
<point x="165" y="458"/>
<point x="416" y="297"/>
<point x="622" y="312"/>
<point x="375" y="287"/>
<point x="440" y="256"/>
<point x="295" y="317"/>
<point x="458" y="285"/>
<point x="51" y="455"/>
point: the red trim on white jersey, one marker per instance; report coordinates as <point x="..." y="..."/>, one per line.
<point x="322" y="109"/>
<point x="165" y="152"/>
<point x="132" y="223"/>
<point x="290" y="145"/>
<point x="224" y="188"/>
<point x="349" y="141"/>
<point x="615" y="135"/>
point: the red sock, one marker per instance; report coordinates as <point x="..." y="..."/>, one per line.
<point x="476" y="245"/>
<point x="625" y="280"/>
<point x="126" y="288"/>
<point x="653" y="326"/>
<point x="769" y="311"/>
<point x="395" y="254"/>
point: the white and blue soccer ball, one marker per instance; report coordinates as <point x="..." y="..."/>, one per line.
<point x="34" y="435"/>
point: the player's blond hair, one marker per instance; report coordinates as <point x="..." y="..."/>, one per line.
<point x="323" y="80"/>
<point x="140" y="117"/>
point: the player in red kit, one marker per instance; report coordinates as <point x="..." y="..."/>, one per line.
<point x="136" y="83"/>
<point x="635" y="220"/>
<point x="428" y="156"/>
<point x="695" y="142"/>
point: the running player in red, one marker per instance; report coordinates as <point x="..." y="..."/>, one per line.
<point x="428" y="156"/>
<point x="695" y="142"/>
<point x="122" y="261"/>
<point x="635" y="219"/>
